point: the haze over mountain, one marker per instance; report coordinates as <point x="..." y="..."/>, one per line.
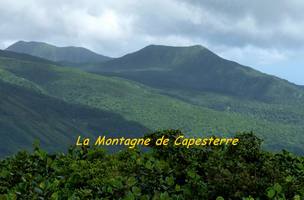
<point x="161" y="87"/>
<point x="75" y="55"/>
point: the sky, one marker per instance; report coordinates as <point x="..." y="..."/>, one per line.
<point x="266" y="35"/>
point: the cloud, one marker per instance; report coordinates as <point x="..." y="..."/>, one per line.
<point x="252" y="55"/>
<point x="273" y="23"/>
<point x="251" y="32"/>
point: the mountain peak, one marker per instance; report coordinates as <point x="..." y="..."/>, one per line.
<point x="177" y="51"/>
<point x="29" y="44"/>
<point x="160" y="57"/>
<point x="157" y="46"/>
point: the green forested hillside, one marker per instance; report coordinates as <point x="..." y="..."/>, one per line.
<point x="153" y="108"/>
<point x="242" y="172"/>
<point x="197" y="69"/>
<point x="24" y="57"/>
<point x="134" y="101"/>
<point x="76" y="55"/>
<point x="27" y="115"/>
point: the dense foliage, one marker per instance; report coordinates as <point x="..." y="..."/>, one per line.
<point x="228" y="172"/>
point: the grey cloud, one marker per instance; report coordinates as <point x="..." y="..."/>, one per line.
<point x="273" y="23"/>
<point x="267" y="31"/>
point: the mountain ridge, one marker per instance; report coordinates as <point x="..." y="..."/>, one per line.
<point x="69" y="54"/>
<point x="158" y="53"/>
<point x="197" y="68"/>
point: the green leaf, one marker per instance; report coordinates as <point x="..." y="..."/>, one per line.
<point x="170" y="180"/>
<point x="144" y="197"/>
<point x="148" y="165"/>
<point x="136" y="191"/>
<point x="289" y="179"/>
<point x="116" y="183"/>
<point x="131" y="181"/>
<point x="271" y="193"/>
<point x="55" y="196"/>
<point x="277" y="187"/>
<point x="129" y="196"/>
<point x="38" y="190"/>
<point x="164" y="196"/>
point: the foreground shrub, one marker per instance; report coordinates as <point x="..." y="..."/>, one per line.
<point x="227" y="172"/>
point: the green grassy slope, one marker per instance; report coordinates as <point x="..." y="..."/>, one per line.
<point x="136" y="102"/>
<point x="76" y="55"/>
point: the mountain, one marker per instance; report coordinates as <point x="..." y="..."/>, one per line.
<point x="67" y="55"/>
<point x="196" y="68"/>
<point x="200" y="114"/>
